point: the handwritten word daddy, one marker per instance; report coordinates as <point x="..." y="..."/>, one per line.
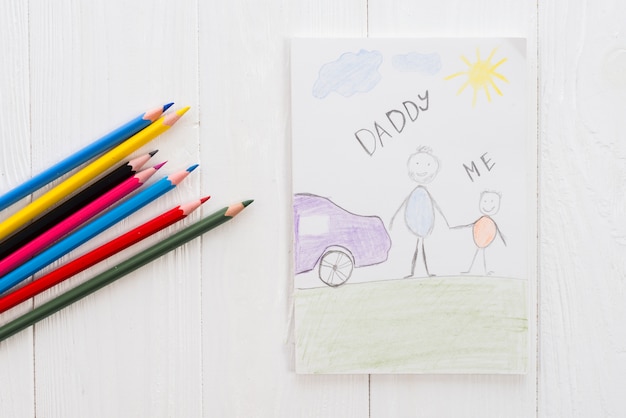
<point x="397" y="120"/>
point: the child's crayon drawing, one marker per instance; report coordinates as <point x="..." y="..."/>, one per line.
<point x="397" y="268"/>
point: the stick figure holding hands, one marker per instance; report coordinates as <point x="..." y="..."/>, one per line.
<point x="419" y="214"/>
<point x="485" y="229"/>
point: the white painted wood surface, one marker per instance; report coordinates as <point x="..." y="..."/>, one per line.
<point x="206" y="331"/>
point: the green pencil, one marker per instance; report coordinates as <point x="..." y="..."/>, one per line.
<point x="122" y="269"/>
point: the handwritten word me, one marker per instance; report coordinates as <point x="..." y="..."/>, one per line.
<point x="397" y="120"/>
<point x="473" y="169"/>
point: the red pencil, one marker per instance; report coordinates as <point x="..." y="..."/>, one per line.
<point x="95" y="256"/>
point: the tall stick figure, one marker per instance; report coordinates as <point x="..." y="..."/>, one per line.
<point x="419" y="213"/>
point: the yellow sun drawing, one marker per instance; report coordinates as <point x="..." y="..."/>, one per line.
<point x="480" y="75"/>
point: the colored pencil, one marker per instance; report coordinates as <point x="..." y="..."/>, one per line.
<point x="93" y="228"/>
<point x="56" y="215"/>
<point x="88" y="173"/>
<point x="99" y="254"/>
<point x="76" y="219"/>
<point x="97" y="147"/>
<point x="122" y="269"/>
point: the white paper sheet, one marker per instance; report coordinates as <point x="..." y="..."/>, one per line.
<point x="413" y="180"/>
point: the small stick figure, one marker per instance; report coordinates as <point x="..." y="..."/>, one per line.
<point x="485" y="229"/>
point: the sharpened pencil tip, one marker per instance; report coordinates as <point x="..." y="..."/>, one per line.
<point x="156" y="167"/>
<point x="182" y="111"/>
<point x="189" y="207"/>
<point x="153" y="114"/>
<point x="236" y="208"/>
<point x="153" y="152"/>
<point x="171" y="118"/>
<point x="167" y="106"/>
<point x="193" y="167"/>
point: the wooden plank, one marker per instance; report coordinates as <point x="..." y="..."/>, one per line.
<point x="17" y="394"/>
<point x="248" y="359"/>
<point x="583" y="233"/>
<point x="133" y="348"/>
<point x="458" y="395"/>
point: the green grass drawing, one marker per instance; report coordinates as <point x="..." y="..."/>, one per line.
<point x="454" y="324"/>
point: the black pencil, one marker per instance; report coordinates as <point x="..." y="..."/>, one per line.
<point x="56" y="215"/>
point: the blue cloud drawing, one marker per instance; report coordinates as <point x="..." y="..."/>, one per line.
<point x="350" y="74"/>
<point x="427" y="64"/>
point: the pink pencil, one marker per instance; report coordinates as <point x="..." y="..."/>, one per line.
<point x="79" y="217"/>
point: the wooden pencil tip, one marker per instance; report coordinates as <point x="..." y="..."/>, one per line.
<point x="235" y="209"/>
<point x="153" y="114"/>
<point x="171" y="118"/>
<point x="177" y="177"/>
<point x="156" y="167"/>
<point x="153" y="152"/>
<point x="193" y="167"/>
<point x="167" y="106"/>
<point x="187" y="208"/>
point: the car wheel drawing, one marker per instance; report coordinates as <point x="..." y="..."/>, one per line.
<point x="335" y="267"/>
<point x="335" y="240"/>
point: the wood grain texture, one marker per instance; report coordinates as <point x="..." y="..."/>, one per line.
<point x="133" y="348"/>
<point x="248" y="358"/>
<point x="17" y="393"/>
<point x="583" y="268"/>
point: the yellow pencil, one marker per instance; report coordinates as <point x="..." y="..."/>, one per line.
<point x="88" y="173"/>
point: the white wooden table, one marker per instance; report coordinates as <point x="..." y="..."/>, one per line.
<point x="207" y="330"/>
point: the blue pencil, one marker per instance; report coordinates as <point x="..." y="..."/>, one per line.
<point x="92" y="150"/>
<point x="92" y="229"/>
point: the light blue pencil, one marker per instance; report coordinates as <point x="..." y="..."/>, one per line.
<point x="92" y="229"/>
<point x="92" y="150"/>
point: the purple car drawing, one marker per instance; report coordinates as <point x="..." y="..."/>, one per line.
<point x="335" y="239"/>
